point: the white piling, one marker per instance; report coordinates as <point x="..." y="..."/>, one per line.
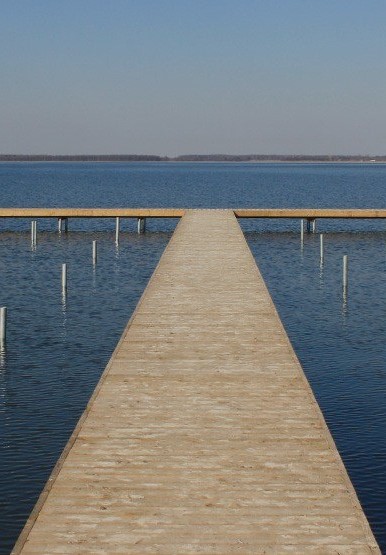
<point x="94" y="252"/>
<point x="302" y="231"/>
<point x="60" y="225"/>
<point x="33" y="232"/>
<point x="117" y="230"/>
<point x="3" y="325"/>
<point x="313" y="226"/>
<point x="321" y="248"/>
<point x="141" y="225"/>
<point x="64" y="278"/>
<point x="345" y="271"/>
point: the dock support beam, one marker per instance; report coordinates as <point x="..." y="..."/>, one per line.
<point x="311" y="225"/>
<point x="141" y="225"/>
<point x="62" y="223"/>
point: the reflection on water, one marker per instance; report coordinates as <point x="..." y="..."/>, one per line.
<point x="3" y="358"/>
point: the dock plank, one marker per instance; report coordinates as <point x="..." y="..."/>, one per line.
<point x="203" y="435"/>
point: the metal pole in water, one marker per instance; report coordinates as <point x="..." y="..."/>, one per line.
<point x="345" y="271"/>
<point x="3" y="325"/>
<point x="60" y="225"/>
<point x="141" y="225"/>
<point x="117" y="230"/>
<point x="321" y="248"/>
<point x="64" y="278"/>
<point x="33" y="232"/>
<point x="313" y="226"/>
<point x="94" y="252"/>
<point x="302" y="231"/>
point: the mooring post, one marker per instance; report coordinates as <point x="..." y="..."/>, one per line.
<point x="313" y="225"/>
<point x="33" y="232"/>
<point x="141" y="225"/>
<point x="3" y="325"/>
<point x="345" y="271"/>
<point x="94" y="252"/>
<point x="302" y="231"/>
<point x="321" y="248"/>
<point x="117" y="230"/>
<point x="64" y="278"/>
<point x="62" y="222"/>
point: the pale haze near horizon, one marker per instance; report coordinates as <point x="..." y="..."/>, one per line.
<point x="175" y="77"/>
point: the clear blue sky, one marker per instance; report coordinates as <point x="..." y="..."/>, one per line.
<point x="193" y="76"/>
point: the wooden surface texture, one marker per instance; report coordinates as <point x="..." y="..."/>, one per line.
<point x="358" y="213"/>
<point x="203" y="435"/>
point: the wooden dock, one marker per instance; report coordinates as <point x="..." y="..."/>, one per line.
<point x="203" y="435"/>
<point x="91" y="212"/>
<point x="306" y="213"/>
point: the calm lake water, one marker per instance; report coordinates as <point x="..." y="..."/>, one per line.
<point x="57" y="347"/>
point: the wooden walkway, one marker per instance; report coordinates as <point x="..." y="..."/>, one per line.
<point x="203" y="435"/>
<point x="310" y="213"/>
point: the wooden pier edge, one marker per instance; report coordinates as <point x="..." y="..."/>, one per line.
<point x="306" y="213"/>
<point x="333" y="448"/>
<point x="59" y="464"/>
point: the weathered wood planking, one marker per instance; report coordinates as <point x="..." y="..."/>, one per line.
<point x="312" y="213"/>
<point x="203" y="435"/>
<point x="91" y="212"/>
<point x="179" y="212"/>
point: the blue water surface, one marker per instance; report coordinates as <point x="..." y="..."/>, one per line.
<point x="58" y="345"/>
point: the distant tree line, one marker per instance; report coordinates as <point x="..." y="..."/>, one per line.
<point x="80" y="158"/>
<point x="277" y="158"/>
<point x="189" y="158"/>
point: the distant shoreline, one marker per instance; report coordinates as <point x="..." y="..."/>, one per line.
<point x="250" y="158"/>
